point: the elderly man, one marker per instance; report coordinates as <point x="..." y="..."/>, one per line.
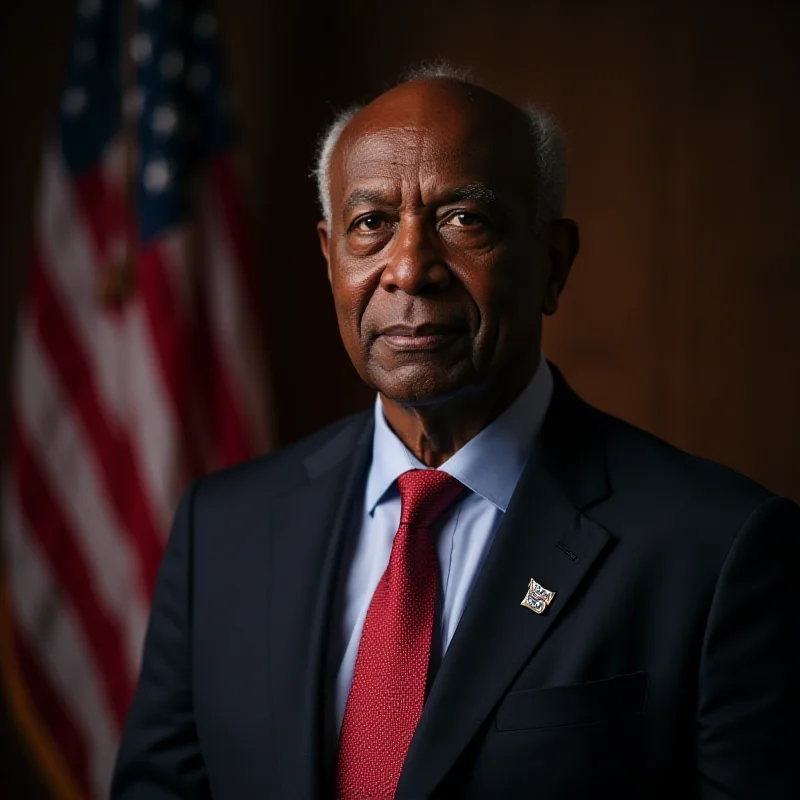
<point x="484" y="587"/>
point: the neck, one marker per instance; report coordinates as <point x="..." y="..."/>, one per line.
<point x="435" y="432"/>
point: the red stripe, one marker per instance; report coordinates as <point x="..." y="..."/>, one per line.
<point x="48" y="524"/>
<point x="175" y="344"/>
<point x="118" y="467"/>
<point x="235" y="441"/>
<point x="230" y="207"/>
<point x="230" y="440"/>
<point x="190" y="371"/>
<point x="50" y="710"/>
<point x="101" y="204"/>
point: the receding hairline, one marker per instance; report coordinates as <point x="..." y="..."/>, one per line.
<point x="548" y="147"/>
<point x="356" y="130"/>
<point x="454" y="86"/>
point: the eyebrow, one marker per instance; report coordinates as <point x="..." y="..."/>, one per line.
<point x="471" y="191"/>
<point x="362" y="196"/>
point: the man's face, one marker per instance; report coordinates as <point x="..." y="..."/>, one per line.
<point x="438" y="274"/>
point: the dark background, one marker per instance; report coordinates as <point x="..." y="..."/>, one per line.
<point x="682" y="126"/>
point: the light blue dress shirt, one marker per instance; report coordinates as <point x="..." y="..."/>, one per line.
<point x="490" y="465"/>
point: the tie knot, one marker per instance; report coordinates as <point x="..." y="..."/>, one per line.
<point x="425" y="494"/>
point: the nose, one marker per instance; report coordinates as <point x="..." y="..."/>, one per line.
<point x="415" y="263"/>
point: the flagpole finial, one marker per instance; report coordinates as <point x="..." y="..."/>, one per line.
<point x="115" y="286"/>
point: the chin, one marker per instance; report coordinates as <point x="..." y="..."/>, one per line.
<point x="420" y="386"/>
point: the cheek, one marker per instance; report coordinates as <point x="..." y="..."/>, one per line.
<point x="353" y="286"/>
<point x="509" y="299"/>
<point x="494" y="286"/>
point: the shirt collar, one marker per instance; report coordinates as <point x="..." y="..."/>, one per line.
<point x="490" y="464"/>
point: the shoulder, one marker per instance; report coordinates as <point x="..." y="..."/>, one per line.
<point x="651" y="464"/>
<point x="680" y="519"/>
<point x="680" y="498"/>
<point x="285" y="469"/>
<point x="654" y="468"/>
<point x="646" y="477"/>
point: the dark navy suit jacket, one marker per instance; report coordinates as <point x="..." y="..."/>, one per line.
<point x="667" y="664"/>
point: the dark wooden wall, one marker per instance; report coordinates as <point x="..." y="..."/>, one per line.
<point x="683" y="129"/>
<point x="681" y="122"/>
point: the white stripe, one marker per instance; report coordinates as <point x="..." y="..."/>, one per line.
<point x="46" y="618"/>
<point x="119" y="347"/>
<point x="231" y="323"/>
<point x="71" y="263"/>
<point x="180" y="250"/>
<point x="74" y="477"/>
<point x="152" y="428"/>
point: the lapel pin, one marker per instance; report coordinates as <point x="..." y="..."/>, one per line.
<point x="537" y="598"/>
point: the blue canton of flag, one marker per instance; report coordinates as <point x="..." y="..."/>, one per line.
<point x="179" y="99"/>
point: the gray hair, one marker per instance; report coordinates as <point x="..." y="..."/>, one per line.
<point x="547" y="140"/>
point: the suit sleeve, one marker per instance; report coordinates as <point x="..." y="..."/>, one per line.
<point x="159" y="757"/>
<point x="748" y="698"/>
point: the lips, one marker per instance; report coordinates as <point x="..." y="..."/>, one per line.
<point x="428" y="336"/>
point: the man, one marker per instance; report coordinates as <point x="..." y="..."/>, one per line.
<point x="485" y="587"/>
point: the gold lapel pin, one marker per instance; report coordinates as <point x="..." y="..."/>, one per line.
<point x="537" y="598"/>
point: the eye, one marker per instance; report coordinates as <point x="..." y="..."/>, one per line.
<point x="465" y="219"/>
<point x="368" y="224"/>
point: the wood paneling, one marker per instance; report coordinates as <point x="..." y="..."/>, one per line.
<point x="680" y="124"/>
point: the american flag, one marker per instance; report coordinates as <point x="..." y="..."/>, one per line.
<point x="136" y="368"/>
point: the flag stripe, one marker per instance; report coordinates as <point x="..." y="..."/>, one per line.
<point x="119" y="472"/>
<point x="234" y="328"/>
<point x="152" y="427"/>
<point x="233" y="218"/>
<point x="56" y="440"/>
<point x="47" y="524"/>
<point x="137" y="368"/>
<point x="117" y="348"/>
<point x="54" y="637"/>
<point x="64" y="244"/>
<point x="233" y="442"/>
<point x="64" y="769"/>
<point x="99" y="197"/>
<point x="172" y="341"/>
<point x="41" y="694"/>
<point x="229" y="442"/>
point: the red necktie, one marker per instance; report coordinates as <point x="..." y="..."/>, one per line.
<point x="388" y="691"/>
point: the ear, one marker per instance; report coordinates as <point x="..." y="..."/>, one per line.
<point x="563" y="242"/>
<point x="325" y="244"/>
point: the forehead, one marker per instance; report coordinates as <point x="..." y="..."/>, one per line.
<point x="434" y="136"/>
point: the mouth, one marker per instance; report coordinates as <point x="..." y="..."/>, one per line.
<point x="429" y="336"/>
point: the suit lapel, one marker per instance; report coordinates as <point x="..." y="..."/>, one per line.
<point x="308" y="528"/>
<point x="545" y="535"/>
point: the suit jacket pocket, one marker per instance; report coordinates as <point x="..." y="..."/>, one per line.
<point x="606" y="700"/>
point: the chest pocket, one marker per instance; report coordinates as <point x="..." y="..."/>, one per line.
<point x="607" y="700"/>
